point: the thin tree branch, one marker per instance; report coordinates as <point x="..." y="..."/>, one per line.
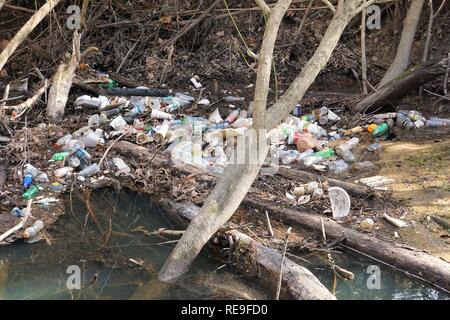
<point x="329" y="5"/>
<point x="264" y="7"/>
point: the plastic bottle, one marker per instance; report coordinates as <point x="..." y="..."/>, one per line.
<point x="315" y="130"/>
<point x="305" y="154"/>
<point x="374" y="147"/>
<point x="30" y="232"/>
<point x="381" y="130"/>
<point x="312" y="159"/>
<point x="363" y="166"/>
<point x="288" y="156"/>
<point x="27" y="181"/>
<point x="437" y="122"/>
<point x="73" y="144"/>
<point x="89" y="171"/>
<point x="62" y="141"/>
<point x="338" y="166"/>
<point x="404" y="122"/>
<point x="233" y="99"/>
<point x="29" y="169"/>
<point x="232" y="116"/>
<point x="59" y="156"/>
<point x="62" y="172"/>
<point x="326" y="153"/>
<point x="30" y="193"/>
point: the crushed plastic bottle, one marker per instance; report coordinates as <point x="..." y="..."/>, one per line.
<point x="17" y="212"/>
<point x="89" y="171"/>
<point x="363" y="166"/>
<point x="374" y="147"/>
<point x="338" y="167"/>
<point x="232" y="116"/>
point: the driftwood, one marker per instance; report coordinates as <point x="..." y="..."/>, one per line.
<point x="305" y="176"/>
<point x="392" y="92"/>
<point x="26" y="30"/>
<point x="298" y="282"/>
<point x="62" y="82"/>
<point x="417" y="263"/>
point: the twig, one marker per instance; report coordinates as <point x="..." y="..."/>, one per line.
<point x="23" y="107"/>
<point x="21" y="224"/>
<point x="446" y="74"/>
<point x="286" y="239"/>
<point x="264" y="7"/>
<point x="437" y="95"/>
<point x="323" y="232"/>
<point x="300" y="27"/>
<point x="5" y="98"/>
<point x="129" y="52"/>
<point x="109" y="148"/>
<point x="190" y="26"/>
<point x="329" y="5"/>
<point x="363" y="51"/>
<point x="269" y="225"/>
<point x="26" y="30"/>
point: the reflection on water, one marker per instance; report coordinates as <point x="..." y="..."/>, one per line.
<point x="118" y="261"/>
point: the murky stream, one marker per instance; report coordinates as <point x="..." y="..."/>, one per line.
<point x="112" y="258"/>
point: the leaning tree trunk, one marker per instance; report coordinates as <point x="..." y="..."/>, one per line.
<point x="392" y="92"/>
<point x="238" y="178"/>
<point x="26" y="30"/>
<point x="2" y="2"/>
<point x="401" y="60"/>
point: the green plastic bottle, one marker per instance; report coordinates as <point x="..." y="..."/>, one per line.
<point x="60" y="156"/>
<point x="308" y="117"/>
<point x="381" y="130"/>
<point x="327" y="153"/>
<point x="30" y="193"/>
<point x="110" y="85"/>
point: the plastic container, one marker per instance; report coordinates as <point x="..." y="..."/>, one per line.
<point x="338" y="167"/>
<point x="17" y="212"/>
<point x="233" y="99"/>
<point x="437" y="122"/>
<point x="91" y="140"/>
<point x="232" y="116"/>
<point x="364" y="166"/>
<point x="62" y="141"/>
<point x="161" y="133"/>
<point x="32" y="231"/>
<point x="404" y="122"/>
<point x="157" y="114"/>
<point x="288" y="156"/>
<point x="59" y="156"/>
<point x="30" y="193"/>
<point x="29" y="169"/>
<point x="326" y="153"/>
<point x="74" y="162"/>
<point x="62" y="172"/>
<point x="27" y="181"/>
<point x="89" y="171"/>
<point x="73" y="144"/>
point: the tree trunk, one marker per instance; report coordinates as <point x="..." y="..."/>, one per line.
<point x="26" y="30"/>
<point x="434" y="270"/>
<point x="62" y="82"/>
<point x="388" y="95"/>
<point x="298" y="282"/>
<point x="401" y="60"/>
<point x="238" y="178"/>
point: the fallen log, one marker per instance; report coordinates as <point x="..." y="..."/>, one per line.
<point x="297" y="281"/>
<point x="305" y="176"/>
<point x="424" y="266"/>
<point x="392" y="92"/>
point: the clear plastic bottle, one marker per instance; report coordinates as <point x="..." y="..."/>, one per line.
<point x="288" y="156"/>
<point x="338" y="166"/>
<point x="364" y="166"/>
<point x="89" y="171"/>
<point x="30" y="232"/>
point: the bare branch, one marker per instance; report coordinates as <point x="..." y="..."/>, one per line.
<point x="264" y="7"/>
<point x="439" y="9"/>
<point x="329" y="5"/>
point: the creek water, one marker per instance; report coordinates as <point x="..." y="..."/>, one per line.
<point x="113" y="258"/>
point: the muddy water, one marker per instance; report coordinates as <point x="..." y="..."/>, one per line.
<point x="116" y="260"/>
